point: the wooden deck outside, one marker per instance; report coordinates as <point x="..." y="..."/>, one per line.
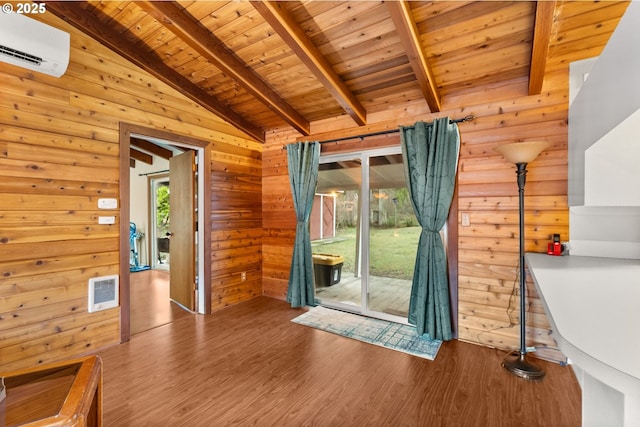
<point x="387" y="295"/>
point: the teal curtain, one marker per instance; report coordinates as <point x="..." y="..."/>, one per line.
<point x="430" y="153"/>
<point x="302" y="159"/>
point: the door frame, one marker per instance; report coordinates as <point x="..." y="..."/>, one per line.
<point x="153" y="215"/>
<point x="126" y="131"/>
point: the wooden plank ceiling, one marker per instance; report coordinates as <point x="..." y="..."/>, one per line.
<point x="264" y="66"/>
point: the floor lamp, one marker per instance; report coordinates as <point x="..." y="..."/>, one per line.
<point x="522" y="153"/>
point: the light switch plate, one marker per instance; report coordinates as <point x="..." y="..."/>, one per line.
<point x="106" y="220"/>
<point x="465" y="220"/>
<point x="107" y="203"/>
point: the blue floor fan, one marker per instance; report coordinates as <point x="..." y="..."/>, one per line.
<point x="134" y="260"/>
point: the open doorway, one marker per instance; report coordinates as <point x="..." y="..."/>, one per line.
<point x="148" y="282"/>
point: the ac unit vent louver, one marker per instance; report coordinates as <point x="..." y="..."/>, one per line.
<point x="23" y="56"/>
<point x="33" y="45"/>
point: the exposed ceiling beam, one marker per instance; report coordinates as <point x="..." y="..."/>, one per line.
<point x="410" y="38"/>
<point x="286" y="27"/>
<point x="541" y="37"/>
<point x="184" y="26"/>
<point x="86" y="18"/>
<point x="152" y="148"/>
<point x="139" y="155"/>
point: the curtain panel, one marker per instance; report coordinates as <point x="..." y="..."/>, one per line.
<point x="302" y="162"/>
<point x="430" y="154"/>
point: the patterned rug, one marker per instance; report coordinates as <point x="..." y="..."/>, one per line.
<point x="391" y="335"/>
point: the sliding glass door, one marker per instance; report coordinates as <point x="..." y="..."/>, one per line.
<point x="337" y="254"/>
<point x="393" y="237"/>
<point x="364" y="262"/>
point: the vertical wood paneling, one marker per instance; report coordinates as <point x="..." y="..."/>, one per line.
<point x="487" y="192"/>
<point x="59" y="153"/>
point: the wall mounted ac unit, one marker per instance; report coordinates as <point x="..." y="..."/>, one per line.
<point x="34" y="45"/>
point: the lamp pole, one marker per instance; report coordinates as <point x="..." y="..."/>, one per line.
<point x="522" y="153"/>
<point x="520" y="365"/>
<point x="521" y="172"/>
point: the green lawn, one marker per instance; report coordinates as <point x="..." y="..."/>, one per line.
<point x="392" y="251"/>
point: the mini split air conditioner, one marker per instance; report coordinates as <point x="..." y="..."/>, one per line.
<point x="34" y="45"/>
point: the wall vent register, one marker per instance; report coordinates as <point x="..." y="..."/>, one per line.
<point x="103" y="293"/>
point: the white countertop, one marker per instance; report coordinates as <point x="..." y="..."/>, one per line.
<point x="594" y="305"/>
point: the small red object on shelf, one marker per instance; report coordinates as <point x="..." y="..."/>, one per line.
<point x="555" y="247"/>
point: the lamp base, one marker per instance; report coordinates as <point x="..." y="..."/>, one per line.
<point x="519" y="365"/>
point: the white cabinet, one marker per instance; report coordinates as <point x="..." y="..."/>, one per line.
<point x="593" y="305"/>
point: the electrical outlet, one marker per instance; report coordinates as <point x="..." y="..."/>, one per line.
<point x="243" y="276"/>
<point x="465" y="220"/>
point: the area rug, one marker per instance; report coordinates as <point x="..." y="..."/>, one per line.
<point x="390" y="335"/>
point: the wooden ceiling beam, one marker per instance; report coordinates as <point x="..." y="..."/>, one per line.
<point x="87" y="19"/>
<point x="543" y="27"/>
<point x="187" y="28"/>
<point x="407" y="29"/>
<point x="281" y="21"/>
<point x="139" y="155"/>
<point x="152" y="148"/>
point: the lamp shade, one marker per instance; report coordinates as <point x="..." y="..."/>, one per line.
<point x="522" y="152"/>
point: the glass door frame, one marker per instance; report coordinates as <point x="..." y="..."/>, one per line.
<point x="155" y="181"/>
<point x="362" y="264"/>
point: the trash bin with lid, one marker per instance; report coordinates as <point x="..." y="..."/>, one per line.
<point x="327" y="269"/>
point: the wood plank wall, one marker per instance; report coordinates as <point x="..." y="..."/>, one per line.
<point x="59" y="153"/>
<point x="488" y="248"/>
<point x="236" y="224"/>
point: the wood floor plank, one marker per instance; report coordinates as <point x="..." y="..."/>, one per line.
<point x="249" y="365"/>
<point x="150" y="302"/>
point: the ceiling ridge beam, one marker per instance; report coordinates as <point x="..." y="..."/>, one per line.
<point x="89" y="22"/>
<point x="289" y="31"/>
<point x="542" y="30"/>
<point x="407" y="29"/>
<point x="187" y="28"/>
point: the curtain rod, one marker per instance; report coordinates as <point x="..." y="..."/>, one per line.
<point x="153" y="173"/>
<point x="385" y="132"/>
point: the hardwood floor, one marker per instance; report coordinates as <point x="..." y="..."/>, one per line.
<point x="150" y="303"/>
<point x="249" y="365"/>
